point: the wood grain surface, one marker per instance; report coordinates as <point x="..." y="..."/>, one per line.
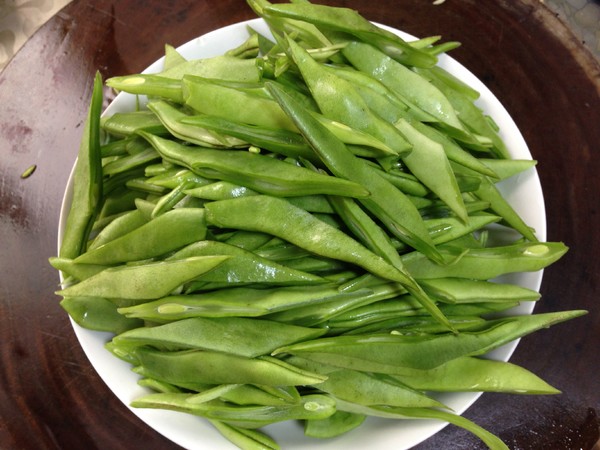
<point x="51" y="397"/>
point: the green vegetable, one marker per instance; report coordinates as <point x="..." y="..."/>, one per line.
<point x="307" y="227"/>
<point x="87" y="182"/>
<point x="29" y="171"/>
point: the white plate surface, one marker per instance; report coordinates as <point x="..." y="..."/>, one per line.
<point x="523" y="192"/>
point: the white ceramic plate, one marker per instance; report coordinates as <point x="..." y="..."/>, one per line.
<point x="523" y="191"/>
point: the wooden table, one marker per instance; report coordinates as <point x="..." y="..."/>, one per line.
<point x="50" y="397"/>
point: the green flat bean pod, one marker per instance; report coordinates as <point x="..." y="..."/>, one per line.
<point x="245" y="337"/>
<point x="261" y="173"/>
<point x="479" y="375"/>
<point x="365" y="388"/>
<point x="309" y="407"/>
<point x="335" y="425"/>
<point x="172" y="118"/>
<point x="390" y="353"/>
<point x="145" y="281"/>
<point x="127" y="124"/>
<point x="242" y="267"/>
<point x="201" y="366"/>
<point x="242" y="302"/>
<point x="491" y="441"/>
<point x="486" y="263"/>
<point x="245" y="438"/>
<point x="87" y="181"/>
<point x="171" y="231"/>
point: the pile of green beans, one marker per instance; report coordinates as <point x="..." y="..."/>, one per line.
<point x="298" y="230"/>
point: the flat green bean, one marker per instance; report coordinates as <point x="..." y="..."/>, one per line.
<point x="87" y="181"/>
<point x="261" y="173"/>
<point x="200" y="366"/>
<point x="245" y="337"/>
<point x="143" y="282"/>
<point x="391" y="353"/>
<point x="170" y="231"/>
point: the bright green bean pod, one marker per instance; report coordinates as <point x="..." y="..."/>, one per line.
<point x="428" y="162"/>
<point x="172" y="57"/>
<point x="87" y="181"/>
<point x="412" y="324"/>
<point x="114" y="148"/>
<point x="158" y="386"/>
<point x="220" y="190"/>
<point x="310" y="406"/>
<point x="470" y="374"/>
<point x="172" y="118"/>
<point x="318" y="313"/>
<point x="261" y="173"/>
<point x="245" y="438"/>
<point x="177" y="176"/>
<point x="491" y="441"/>
<point x="171" y="200"/>
<point x="250" y="394"/>
<point x="243" y="267"/>
<point x="222" y="67"/>
<point x="461" y="290"/>
<point x="148" y="84"/>
<point x="366" y="389"/>
<point x="282" y="251"/>
<point x="454" y="152"/>
<point x="312" y="264"/>
<point x="142" y="186"/>
<point x="335" y="425"/>
<point x="360" y="316"/>
<point x="366" y="230"/>
<point x="142" y="282"/>
<point x="170" y="231"/>
<point x="95" y="313"/>
<point x="470" y="115"/>
<point x="307" y="32"/>
<point x="506" y="168"/>
<point x="248" y="240"/>
<point x="213" y="99"/>
<point x="248" y="49"/>
<point x="127" y="123"/>
<point x="405" y="182"/>
<point x="245" y="337"/>
<point x="129" y="162"/>
<point x="74" y="270"/>
<point x="391" y="353"/>
<point x="482" y="309"/>
<point x="242" y="302"/>
<point x="451" y="81"/>
<point x="485" y="263"/>
<point x="447" y="229"/>
<point x="297" y="227"/>
<point x="489" y="192"/>
<point x="285" y="142"/>
<point x="200" y="366"/>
